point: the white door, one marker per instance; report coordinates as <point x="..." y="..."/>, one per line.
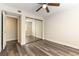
<point x="4" y="31"/>
<point x="38" y="28"/>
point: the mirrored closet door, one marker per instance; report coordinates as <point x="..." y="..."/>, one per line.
<point x="33" y="30"/>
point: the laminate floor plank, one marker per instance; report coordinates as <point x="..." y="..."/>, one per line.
<point x="10" y="50"/>
<point x="21" y="50"/>
<point x="38" y="48"/>
<point x="51" y="51"/>
<point x="35" y="51"/>
<point x="62" y="48"/>
<point x="45" y="50"/>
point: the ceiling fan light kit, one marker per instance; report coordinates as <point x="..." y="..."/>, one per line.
<point x="45" y="6"/>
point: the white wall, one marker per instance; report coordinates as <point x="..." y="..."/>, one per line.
<point x="11" y="28"/>
<point x="63" y="26"/>
<point x="23" y="15"/>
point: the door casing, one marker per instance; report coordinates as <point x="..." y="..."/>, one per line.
<point x="3" y="37"/>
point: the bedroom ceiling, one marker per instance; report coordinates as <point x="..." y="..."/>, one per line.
<point x="31" y="7"/>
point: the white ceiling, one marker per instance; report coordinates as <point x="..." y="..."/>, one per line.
<point x="32" y="7"/>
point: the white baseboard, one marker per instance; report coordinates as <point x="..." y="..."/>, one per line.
<point x="11" y="39"/>
<point x="73" y="46"/>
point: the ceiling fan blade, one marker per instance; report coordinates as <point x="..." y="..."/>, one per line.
<point x="54" y="4"/>
<point x="47" y="9"/>
<point x="38" y="9"/>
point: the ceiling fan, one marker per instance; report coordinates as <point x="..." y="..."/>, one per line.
<point x="45" y="6"/>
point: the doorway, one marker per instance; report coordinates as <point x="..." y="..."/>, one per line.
<point x="11" y="28"/>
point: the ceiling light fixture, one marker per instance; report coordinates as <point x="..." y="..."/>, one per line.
<point x="44" y="6"/>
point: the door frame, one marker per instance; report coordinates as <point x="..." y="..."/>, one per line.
<point x="1" y="30"/>
<point x="2" y="25"/>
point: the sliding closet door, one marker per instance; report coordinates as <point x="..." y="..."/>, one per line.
<point x="30" y="30"/>
<point x="38" y="29"/>
<point x="33" y="30"/>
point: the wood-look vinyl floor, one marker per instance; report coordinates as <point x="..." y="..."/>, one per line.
<point x="38" y="48"/>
